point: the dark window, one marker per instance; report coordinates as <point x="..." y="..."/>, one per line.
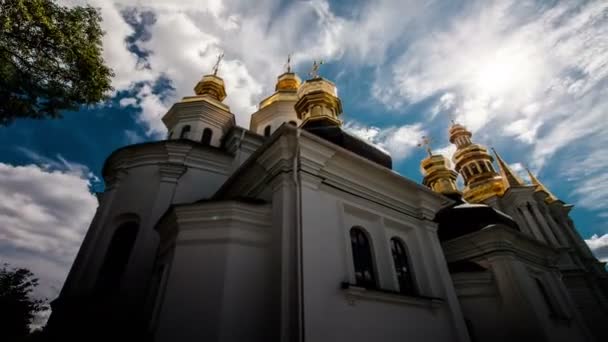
<point x="474" y="168"/>
<point x="169" y="134"/>
<point x="267" y="131"/>
<point x="402" y="266"/>
<point x="207" y="134"/>
<point x="484" y="167"/>
<point x="293" y="123"/>
<point x="546" y="298"/>
<point x="362" y="257"/>
<point x="117" y="257"/>
<point x="185" y="131"/>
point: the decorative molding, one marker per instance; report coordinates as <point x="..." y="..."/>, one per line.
<point x="171" y="172"/>
<point x="355" y="293"/>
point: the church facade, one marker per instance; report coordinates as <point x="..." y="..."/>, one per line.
<point x="295" y="230"/>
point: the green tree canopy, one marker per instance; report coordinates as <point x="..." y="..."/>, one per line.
<point x="50" y="59"/>
<point x="17" y="307"/>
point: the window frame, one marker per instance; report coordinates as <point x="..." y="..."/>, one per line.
<point x="411" y="289"/>
<point x="358" y="260"/>
<point x="206" y="139"/>
<point x="185" y="130"/>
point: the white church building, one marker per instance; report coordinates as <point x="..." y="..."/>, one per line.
<point x="295" y="230"/>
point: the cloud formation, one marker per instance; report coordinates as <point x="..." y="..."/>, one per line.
<point x="599" y="246"/>
<point x="399" y="142"/>
<point x="45" y="210"/>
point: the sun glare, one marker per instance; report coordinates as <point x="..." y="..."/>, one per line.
<point x="500" y="73"/>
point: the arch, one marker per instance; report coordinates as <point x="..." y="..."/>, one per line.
<point x="403" y="268"/>
<point x="292" y="122"/>
<point x="267" y="131"/>
<point x="474" y="168"/>
<point x="184" y="132"/>
<point x="207" y="135"/>
<point x="362" y="258"/>
<point x="483" y="167"/>
<point x="117" y="257"/>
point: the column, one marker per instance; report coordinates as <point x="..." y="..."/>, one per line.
<point x="530" y="220"/>
<point x="543" y="224"/>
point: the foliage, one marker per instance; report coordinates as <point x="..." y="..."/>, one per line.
<point x="50" y="59"/>
<point x="17" y="308"/>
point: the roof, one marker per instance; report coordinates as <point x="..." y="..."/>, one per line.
<point x="460" y="219"/>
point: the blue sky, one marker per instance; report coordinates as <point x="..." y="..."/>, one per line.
<point x="527" y="77"/>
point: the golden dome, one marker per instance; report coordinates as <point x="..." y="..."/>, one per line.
<point x="288" y="81"/>
<point x="212" y="86"/>
<point x="438" y="176"/>
<point x="318" y="101"/>
<point x="474" y="163"/>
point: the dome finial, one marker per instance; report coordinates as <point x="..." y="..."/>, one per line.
<point x="314" y="72"/>
<point x="426" y="143"/>
<point x="288" y="64"/>
<point x="216" y="66"/>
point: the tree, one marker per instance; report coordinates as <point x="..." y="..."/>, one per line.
<point x="17" y="307"/>
<point x="50" y="59"/>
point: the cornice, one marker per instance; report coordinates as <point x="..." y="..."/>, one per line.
<point x="500" y="241"/>
<point x="216" y="221"/>
<point x="333" y="166"/>
<point x="183" y="152"/>
<point x="194" y="109"/>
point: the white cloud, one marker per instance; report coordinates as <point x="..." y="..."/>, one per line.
<point x="44" y="213"/>
<point x="399" y="142"/>
<point x="512" y="68"/>
<point x="599" y="246"/>
<point x="186" y="37"/>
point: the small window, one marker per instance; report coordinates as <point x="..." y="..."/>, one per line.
<point x="362" y="258"/>
<point x="402" y="267"/>
<point x="267" y="131"/>
<point x="293" y="123"/>
<point x="207" y="134"/>
<point x="185" y="131"/>
<point x="474" y="168"/>
<point x="484" y="167"/>
<point x="169" y="134"/>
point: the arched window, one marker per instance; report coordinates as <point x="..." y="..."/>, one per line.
<point x="293" y="123"/>
<point x="185" y="131"/>
<point x="483" y="167"/>
<point x="117" y="257"/>
<point x="362" y="257"/>
<point x="267" y="131"/>
<point x="474" y="168"/>
<point x="207" y="134"/>
<point x="402" y="266"/>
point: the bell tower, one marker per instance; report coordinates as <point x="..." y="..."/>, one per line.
<point x="318" y="102"/>
<point x="474" y="163"/>
<point x="278" y="108"/>
<point x="204" y="117"/>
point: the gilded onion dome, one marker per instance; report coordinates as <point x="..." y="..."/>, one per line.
<point x="285" y="89"/>
<point x="318" y="101"/>
<point x="211" y="86"/>
<point x="438" y="176"/>
<point x="474" y="163"/>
